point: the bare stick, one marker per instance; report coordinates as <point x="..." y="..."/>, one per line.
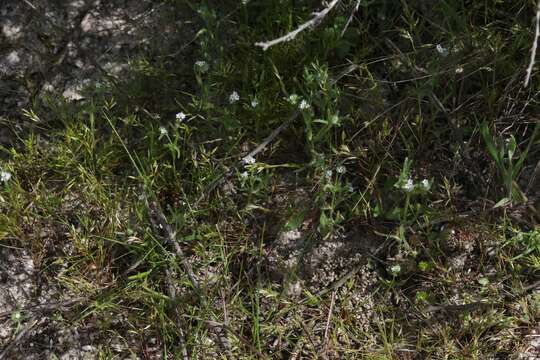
<point x="172" y="294"/>
<point x="316" y="20"/>
<point x="461" y="308"/>
<point x="509" y="298"/>
<point x="45" y="308"/>
<point x="158" y="220"/>
<point x="252" y="154"/>
<point x="272" y="136"/>
<point x="327" y="327"/>
<point x="351" y="17"/>
<point x="534" y="46"/>
<point x="533" y="177"/>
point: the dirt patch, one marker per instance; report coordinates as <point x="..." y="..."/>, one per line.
<point x="61" y="48"/>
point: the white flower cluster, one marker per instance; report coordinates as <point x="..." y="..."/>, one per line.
<point x="395" y="269"/>
<point x="163" y="130"/>
<point x="293" y="99"/>
<point x="5" y="176"/>
<point x="328" y="174"/>
<point x="442" y="50"/>
<point x="248" y="160"/>
<point x="302" y="103"/>
<point x="409" y="185"/>
<point x="234" y="97"/>
<point x="201" y="65"/>
<point x="180" y="116"/>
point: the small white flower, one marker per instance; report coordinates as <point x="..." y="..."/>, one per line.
<point x="304" y="105"/>
<point x="408" y="186"/>
<point x="425" y="184"/>
<point x="254" y="103"/>
<point x="234" y="97"/>
<point x="248" y="160"/>
<point x="328" y="174"/>
<point x="244" y="175"/>
<point x="459" y="70"/>
<point x="341" y="169"/>
<point x="5" y="176"/>
<point x="180" y="116"/>
<point x="201" y="65"/>
<point x="293" y="99"/>
<point x="442" y="50"/>
<point x="395" y="269"/>
<point x="16" y="316"/>
<point x="163" y="131"/>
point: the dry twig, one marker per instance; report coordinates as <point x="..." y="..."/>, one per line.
<point x="327" y="327"/>
<point x="350" y="17"/>
<point x="313" y="22"/>
<point x="534" y="46"/>
<point x="45" y="308"/>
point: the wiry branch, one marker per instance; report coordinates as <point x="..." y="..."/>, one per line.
<point x="534" y="46"/>
<point x="350" y="17"/>
<point x="316" y="20"/>
<point x="159" y="221"/>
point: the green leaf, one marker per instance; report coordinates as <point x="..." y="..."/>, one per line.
<point x="295" y="221"/>
<point x="141" y="275"/>
<point x="325" y="223"/>
<point x="490" y="144"/>
<point x="512" y="145"/>
<point x="421" y="296"/>
<point x="523" y="156"/>
<point x="483" y="281"/>
<point x="503" y="202"/>
<point x="424" y="265"/>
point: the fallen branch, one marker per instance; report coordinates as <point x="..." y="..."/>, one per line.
<point x="316" y="20"/>
<point x="534" y="46"/>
